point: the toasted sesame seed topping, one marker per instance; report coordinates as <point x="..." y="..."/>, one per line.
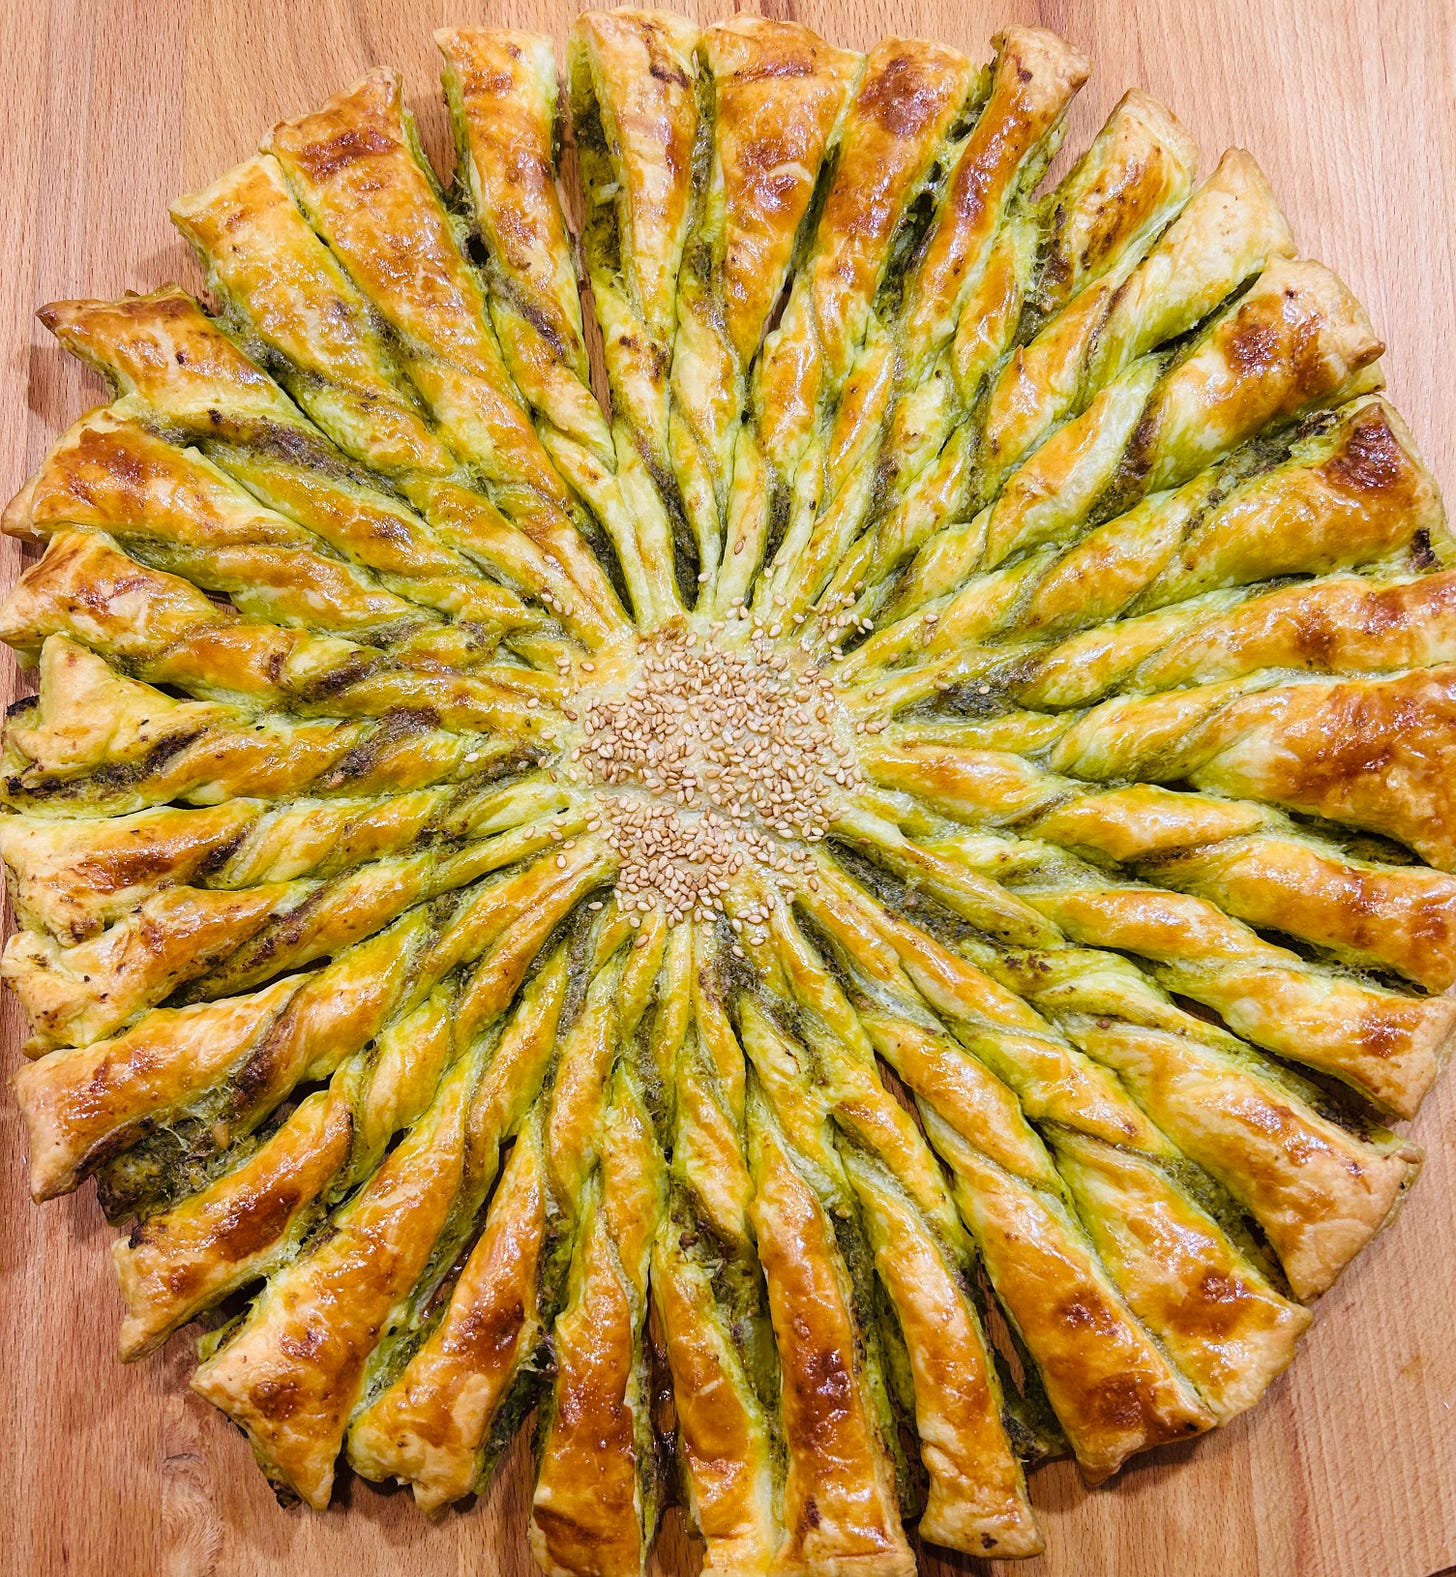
<point x="710" y="761"/>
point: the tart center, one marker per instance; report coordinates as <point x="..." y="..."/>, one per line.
<point x="708" y="759"/>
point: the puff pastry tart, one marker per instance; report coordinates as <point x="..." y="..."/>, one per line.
<point x="823" y="872"/>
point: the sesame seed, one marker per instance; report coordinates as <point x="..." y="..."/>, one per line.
<point x="708" y="760"/>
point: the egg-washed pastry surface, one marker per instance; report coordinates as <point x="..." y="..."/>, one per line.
<point x="755" y="782"/>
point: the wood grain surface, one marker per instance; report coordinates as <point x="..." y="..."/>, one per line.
<point x="1348" y="1468"/>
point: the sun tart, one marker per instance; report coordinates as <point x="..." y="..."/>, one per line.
<point x="757" y="781"/>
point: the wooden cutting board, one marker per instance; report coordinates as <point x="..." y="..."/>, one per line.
<point x="1348" y="1468"/>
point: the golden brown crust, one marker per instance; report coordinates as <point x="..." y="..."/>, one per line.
<point x="263" y="256"/>
<point x="185" y="1259"/>
<point x="289" y="1376"/>
<point x="585" y="1513"/>
<point x="1405" y="916"/>
<point x="1035" y="76"/>
<point x="1113" y="1391"/>
<point x="722" y="1433"/>
<point x="768" y="147"/>
<point x="967" y="1126"/>
<point x="1373" y="753"/>
<point x="839" y="1508"/>
<point x="430" y="1425"/>
<point x="1319" y="1194"/>
<point x="906" y="100"/>
<point x="353" y="168"/>
<point x="1227" y="1329"/>
<point x="140" y="341"/>
<point x="73" y="1102"/>
<point x="977" y="1500"/>
<point x="502" y="86"/>
<point x="642" y="62"/>
<point x="72" y="880"/>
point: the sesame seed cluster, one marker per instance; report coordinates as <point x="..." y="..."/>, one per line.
<point x="710" y="760"/>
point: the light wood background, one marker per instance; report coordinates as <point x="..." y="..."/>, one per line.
<point x="1348" y="1468"/>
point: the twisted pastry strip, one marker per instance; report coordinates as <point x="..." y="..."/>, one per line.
<point x="770" y="157"/>
<point x="935" y="268"/>
<point x="1388" y="1046"/>
<point x="1249" y="861"/>
<point x="1318" y="1192"/>
<point x="1182" y="1273"/>
<point x="357" y="172"/>
<point x="501" y="91"/>
<point x="252" y="1219"/>
<point x="177" y="512"/>
<point x="1294" y="342"/>
<point x="1157" y="1402"/>
<point x="1227" y="232"/>
<point x="595" y="1503"/>
<point x="501" y="88"/>
<point x="1339" y="625"/>
<point x="302" y="318"/>
<point x="227" y="1064"/>
<point x="466" y="1369"/>
<point x="1175" y="1298"/>
<point x="93" y="743"/>
<point x="385" y="1246"/>
<point x="882" y="1169"/>
<point x="839" y="1491"/>
<point x="909" y="97"/>
<point x="163" y="355"/>
<point x="189" y="945"/>
<point x="1354" y="625"/>
<point x="640" y="139"/>
<point x="88" y="591"/>
<point x="391" y="1243"/>
<point x="70" y="879"/>
<point x="1051" y="259"/>
<point x="1371" y="753"/>
<point x="1349" y="493"/>
<point x="706" y="1282"/>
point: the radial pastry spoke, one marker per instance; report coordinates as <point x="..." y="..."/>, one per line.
<point x="769" y="158"/>
<point x="176" y="511"/>
<point x="706" y="1283"/>
<point x="839" y="1501"/>
<point x="227" y="1064"/>
<point x="467" y="1370"/>
<point x="1370" y="753"/>
<point x="501" y="89"/>
<point x="1115" y="1058"/>
<point x="637" y="129"/>
<point x="1349" y="493"/>
<point x="1099" y="1441"/>
<point x="1156" y="426"/>
<point x="461" y="1092"/>
<point x="95" y="743"/>
<point x="164" y="355"/>
<point x="72" y="878"/>
<point x="976" y="1497"/>
<point x="86" y="590"/>
<point x="935" y="267"/>
<point x="1227" y="232"/>
<point x="833" y="924"/>
<point x="595" y="1502"/>
<point x="1385" y="1044"/>
<point x="1250" y="861"/>
<point x="357" y="171"/>
<point x="1090" y="469"/>
<point x="1045" y="255"/>
<point x="908" y="99"/>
